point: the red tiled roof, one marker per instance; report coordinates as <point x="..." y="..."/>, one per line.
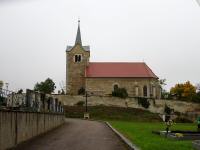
<point x="119" y="69"/>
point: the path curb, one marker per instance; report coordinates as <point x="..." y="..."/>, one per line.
<point x="124" y="139"/>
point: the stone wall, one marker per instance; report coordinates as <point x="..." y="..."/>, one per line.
<point x="17" y="127"/>
<point x="106" y="85"/>
<point x="190" y="110"/>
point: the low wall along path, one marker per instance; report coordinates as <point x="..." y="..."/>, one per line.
<point x="19" y="126"/>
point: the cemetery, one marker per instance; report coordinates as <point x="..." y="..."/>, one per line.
<point x="27" y="115"/>
<point x="29" y="101"/>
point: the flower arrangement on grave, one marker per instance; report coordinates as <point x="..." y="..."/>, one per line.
<point x="168" y="123"/>
<point x="179" y="135"/>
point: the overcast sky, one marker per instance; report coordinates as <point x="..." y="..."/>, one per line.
<point x="34" y="35"/>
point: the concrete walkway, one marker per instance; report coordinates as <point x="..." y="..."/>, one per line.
<point x="76" y="135"/>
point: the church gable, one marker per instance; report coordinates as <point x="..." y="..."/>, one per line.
<point x="77" y="49"/>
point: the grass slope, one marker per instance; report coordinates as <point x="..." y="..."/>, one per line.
<point x="112" y="113"/>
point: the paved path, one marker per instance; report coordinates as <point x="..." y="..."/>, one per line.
<point x="76" y="135"/>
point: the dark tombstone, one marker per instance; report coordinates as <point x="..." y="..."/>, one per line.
<point x="42" y="99"/>
<point x="53" y="104"/>
<point x="48" y="104"/>
<point x="62" y="109"/>
<point x="37" y="101"/>
<point x="1" y="96"/>
<point x="28" y="98"/>
<point x="56" y="105"/>
<point x="59" y="107"/>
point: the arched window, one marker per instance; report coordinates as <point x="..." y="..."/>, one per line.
<point x="145" y="91"/>
<point x="115" y="87"/>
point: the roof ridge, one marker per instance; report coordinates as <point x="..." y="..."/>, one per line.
<point x="146" y="69"/>
<point x="149" y="71"/>
<point x="120" y="62"/>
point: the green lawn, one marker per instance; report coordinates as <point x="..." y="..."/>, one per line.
<point x="141" y="135"/>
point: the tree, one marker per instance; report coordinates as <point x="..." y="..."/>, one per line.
<point x="196" y="97"/>
<point x="48" y="86"/>
<point x="1" y="84"/>
<point x="177" y="90"/>
<point x="162" y="83"/>
<point x="20" y="91"/>
<point x="184" y="90"/>
<point x="189" y="90"/>
<point x="198" y="87"/>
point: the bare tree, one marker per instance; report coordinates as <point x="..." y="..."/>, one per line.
<point x="198" y="87"/>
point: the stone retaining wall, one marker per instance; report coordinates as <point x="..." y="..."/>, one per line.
<point x="190" y="110"/>
<point x="17" y="127"/>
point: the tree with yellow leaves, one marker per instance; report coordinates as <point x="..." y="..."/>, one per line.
<point x="184" y="90"/>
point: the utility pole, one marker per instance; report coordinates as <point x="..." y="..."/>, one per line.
<point x="86" y="114"/>
<point x="86" y="96"/>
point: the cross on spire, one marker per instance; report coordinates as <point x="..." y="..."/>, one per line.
<point x="78" y="35"/>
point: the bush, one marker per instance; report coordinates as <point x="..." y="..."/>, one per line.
<point x="196" y="97"/>
<point x="81" y="91"/>
<point x="2" y="101"/>
<point x="80" y="103"/>
<point x="143" y="102"/>
<point x="120" y="92"/>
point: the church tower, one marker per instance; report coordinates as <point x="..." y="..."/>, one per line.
<point x="77" y="59"/>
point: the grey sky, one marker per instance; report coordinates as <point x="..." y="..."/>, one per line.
<point x="34" y="35"/>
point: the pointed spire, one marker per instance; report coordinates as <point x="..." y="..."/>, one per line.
<point x="78" y="35"/>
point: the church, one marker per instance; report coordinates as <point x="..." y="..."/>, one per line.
<point x="100" y="78"/>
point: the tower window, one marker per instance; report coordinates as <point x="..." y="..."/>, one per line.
<point x="77" y="58"/>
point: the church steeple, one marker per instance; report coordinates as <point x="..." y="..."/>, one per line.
<point x="78" y="35"/>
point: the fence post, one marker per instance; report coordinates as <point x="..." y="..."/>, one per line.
<point x="16" y="130"/>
